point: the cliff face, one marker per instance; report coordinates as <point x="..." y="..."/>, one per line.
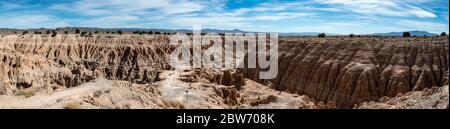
<point x="433" y="98"/>
<point x="69" y="60"/>
<point x="350" y="71"/>
<point x="338" y="70"/>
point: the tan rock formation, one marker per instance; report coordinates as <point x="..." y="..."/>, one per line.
<point x="349" y="71"/>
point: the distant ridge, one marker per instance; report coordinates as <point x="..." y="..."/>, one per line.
<point x="415" y="32"/>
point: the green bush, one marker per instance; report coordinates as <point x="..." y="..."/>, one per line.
<point x="54" y="33"/>
<point x="406" y="34"/>
<point x="322" y="35"/>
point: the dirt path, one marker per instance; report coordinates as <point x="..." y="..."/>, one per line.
<point x="174" y="89"/>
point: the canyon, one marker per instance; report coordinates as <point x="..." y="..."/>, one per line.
<point x="132" y="71"/>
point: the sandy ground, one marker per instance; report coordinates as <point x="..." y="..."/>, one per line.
<point x="47" y="100"/>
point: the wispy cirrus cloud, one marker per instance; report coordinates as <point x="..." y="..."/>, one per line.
<point x="380" y="7"/>
<point x="281" y="16"/>
<point x="345" y="16"/>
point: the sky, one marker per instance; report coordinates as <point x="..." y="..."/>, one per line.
<point x="331" y="16"/>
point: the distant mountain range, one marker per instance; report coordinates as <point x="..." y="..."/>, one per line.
<point x="306" y="34"/>
<point x="154" y="30"/>
<point x="416" y="32"/>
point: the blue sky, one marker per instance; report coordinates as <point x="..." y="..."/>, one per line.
<point x="332" y="16"/>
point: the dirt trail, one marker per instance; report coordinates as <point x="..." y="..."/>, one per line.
<point x="191" y="95"/>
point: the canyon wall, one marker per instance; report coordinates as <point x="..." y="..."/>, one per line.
<point x="40" y="61"/>
<point x="346" y="71"/>
<point x="349" y="71"/>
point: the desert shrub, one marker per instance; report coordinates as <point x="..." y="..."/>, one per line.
<point x="119" y="32"/>
<point x="27" y="93"/>
<point x="77" y="31"/>
<point x="157" y="32"/>
<point x="269" y="99"/>
<point x="47" y="32"/>
<point x="37" y="32"/>
<point x="406" y="34"/>
<point x="173" y="104"/>
<point x="83" y="33"/>
<point x="150" y="32"/>
<point x="72" y="105"/>
<point x="321" y="35"/>
<point x="351" y="35"/>
<point x="107" y="32"/>
<point x="66" y="32"/>
<point x="96" y="32"/>
<point x="443" y="34"/>
<point x="25" y="32"/>
<point x="54" y="33"/>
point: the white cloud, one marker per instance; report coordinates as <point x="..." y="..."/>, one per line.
<point x="100" y="7"/>
<point x="344" y="24"/>
<point x="424" y="25"/>
<point x="7" y="5"/>
<point x="219" y="22"/>
<point x="380" y="7"/>
<point x="281" y="16"/>
<point x="31" y="21"/>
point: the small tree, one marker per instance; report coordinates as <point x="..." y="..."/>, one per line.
<point x="96" y="32"/>
<point x="54" y="33"/>
<point x="47" y="32"/>
<point x="322" y="35"/>
<point x="150" y="32"/>
<point x="66" y="32"/>
<point x="157" y="32"/>
<point x="119" y="32"/>
<point x="406" y="34"/>
<point x="83" y="33"/>
<point x="443" y="34"/>
<point x="107" y="32"/>
<point x="25" y="32"/>
<point x="351" y="35"/>
<point x="37" y="32"/>
<point x="77" y="31"/>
